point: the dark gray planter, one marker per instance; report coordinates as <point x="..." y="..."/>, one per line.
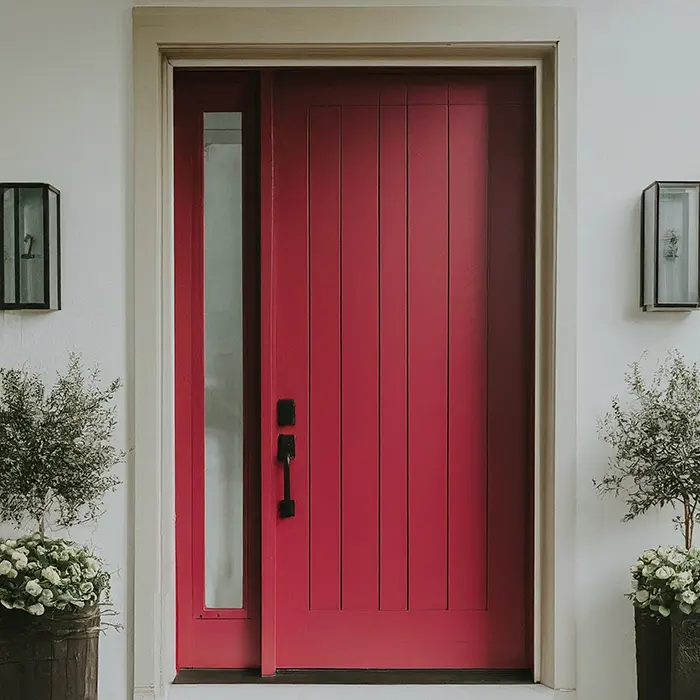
<point x="50" y="657"/>
<point x="668" y="656"/>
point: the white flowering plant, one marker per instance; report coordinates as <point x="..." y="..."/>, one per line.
<point x="40" y="576"/>
<point x="666" y="580"/>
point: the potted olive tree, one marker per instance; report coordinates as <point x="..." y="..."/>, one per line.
<point x="56" y="460"/>
<point x="655" y="437"/>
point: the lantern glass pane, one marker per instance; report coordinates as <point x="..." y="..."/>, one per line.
<point x="54" y="274"/>
<point x="677" y="251"/>
<point x="649" y="204"/>
<point x="8" y="244"/>
<point x="31" y="240"/>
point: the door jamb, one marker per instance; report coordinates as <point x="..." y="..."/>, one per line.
<point x="428" y="37"/>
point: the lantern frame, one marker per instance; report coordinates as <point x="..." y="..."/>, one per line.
<point x="651" y="302"/>
<point x="50" y="249"/>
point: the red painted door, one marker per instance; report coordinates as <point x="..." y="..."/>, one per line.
<point x="401" y="257"/>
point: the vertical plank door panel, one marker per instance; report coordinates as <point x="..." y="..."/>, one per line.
<point x="393" y="437"/>
<point x="324" y="407"/>
<point x="360" y="348"/>
<point x="427" y="356"/>
<point x="510" y="304"/>
<point x="467" y="461"/>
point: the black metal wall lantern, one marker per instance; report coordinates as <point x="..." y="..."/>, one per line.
<point x="30" y="221"/>
<point x="670" y="247"/>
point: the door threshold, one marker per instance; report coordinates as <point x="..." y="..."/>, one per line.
<point x="471" y="676"/>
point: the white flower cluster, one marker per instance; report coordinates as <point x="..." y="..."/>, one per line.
<point x="667" y="579"/>
<point x="38" y="573"/>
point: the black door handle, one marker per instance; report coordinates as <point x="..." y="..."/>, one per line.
<point x="286" y="451"/>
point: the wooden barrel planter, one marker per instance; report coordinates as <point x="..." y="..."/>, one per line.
<point x="668" y="656"/>
<point x="49" y="657"/>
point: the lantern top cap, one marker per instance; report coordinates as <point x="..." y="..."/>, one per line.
<point x="673" y="183"/>
<point x="19" y="185"/>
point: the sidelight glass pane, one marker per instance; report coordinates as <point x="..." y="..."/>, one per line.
<point x="223" y="327"/>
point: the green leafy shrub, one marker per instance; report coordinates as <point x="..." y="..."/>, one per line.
<point x="56" y="451"/>
<point x="656" y="443"/>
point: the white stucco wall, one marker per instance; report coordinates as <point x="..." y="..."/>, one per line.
<point x="65" y="117"/>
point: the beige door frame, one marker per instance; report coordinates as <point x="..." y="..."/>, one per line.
<point x="379" y="36"/>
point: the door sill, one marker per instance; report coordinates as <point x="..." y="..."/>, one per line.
<point x="357" y="677"/>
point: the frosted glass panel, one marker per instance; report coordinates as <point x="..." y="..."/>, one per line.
<point x="223" y="324"/>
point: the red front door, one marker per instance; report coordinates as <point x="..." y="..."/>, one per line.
<point x="400" y="322"/>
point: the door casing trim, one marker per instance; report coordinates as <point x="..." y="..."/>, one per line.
<point x="544" y="38"/>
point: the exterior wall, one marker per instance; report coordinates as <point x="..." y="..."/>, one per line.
<point x="65" y="117"/>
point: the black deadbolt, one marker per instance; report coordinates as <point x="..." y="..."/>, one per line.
<point x="286" y="412"/>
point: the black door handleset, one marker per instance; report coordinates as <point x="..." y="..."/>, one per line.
<point x="286" y="451"/>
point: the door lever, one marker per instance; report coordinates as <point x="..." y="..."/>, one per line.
<point x="286" y="451"/>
